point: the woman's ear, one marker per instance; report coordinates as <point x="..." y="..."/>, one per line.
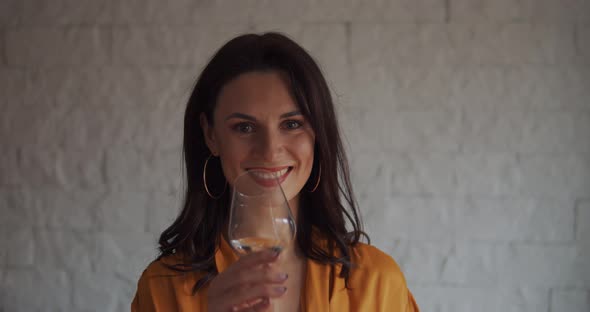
<point x="209" y="135"/>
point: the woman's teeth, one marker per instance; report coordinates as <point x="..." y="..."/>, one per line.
<point x="269" y="175"/>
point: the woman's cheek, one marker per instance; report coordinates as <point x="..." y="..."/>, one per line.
<point x="234" y="154"/>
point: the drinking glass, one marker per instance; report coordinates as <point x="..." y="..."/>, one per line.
<point x="260" y="217"/>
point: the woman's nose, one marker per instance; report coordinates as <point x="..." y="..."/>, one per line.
<point x="270" y="145"/>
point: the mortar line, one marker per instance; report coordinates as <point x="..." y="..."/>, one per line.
<point x="447" y="17"/>
<point x="348" y="32"/>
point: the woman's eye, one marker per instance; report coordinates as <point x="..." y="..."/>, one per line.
<point x="244" y="128"/>
<point x="292" y="124"/>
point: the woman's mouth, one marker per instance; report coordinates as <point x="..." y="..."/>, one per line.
<point x="269" y="177"/>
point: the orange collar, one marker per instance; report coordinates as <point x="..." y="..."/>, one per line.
<point x="315" y="295"/>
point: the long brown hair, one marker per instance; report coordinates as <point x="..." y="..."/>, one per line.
<point x="197" y="230"/>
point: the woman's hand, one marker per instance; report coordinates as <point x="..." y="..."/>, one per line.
<point x="247" y="285"/>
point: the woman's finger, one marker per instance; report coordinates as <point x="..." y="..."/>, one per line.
<point x="249" y="293"/>
<point x="233" y="275"/>
<point x="255" y="258"/>
<point x="262" y="305"/>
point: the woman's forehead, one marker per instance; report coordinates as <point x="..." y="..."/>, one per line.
<point x="257" y="94"/>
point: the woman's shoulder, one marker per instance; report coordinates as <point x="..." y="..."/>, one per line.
<point x="163" y="275"/>
<point x="162" y="288"/>
<point x="166" y="270"/>
<point x="163" y="265"/>
<point x="370" y="258"/>
<point x="378" y="273"/>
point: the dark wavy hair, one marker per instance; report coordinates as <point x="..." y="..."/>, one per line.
<point x="196" y="232"/>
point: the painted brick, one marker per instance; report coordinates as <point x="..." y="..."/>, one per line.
<point x="411" y="218"/>
<point x="17" y="206"/>
<point x="528" y="43"/>
<point x="124" y="212"/>
<point x="90" y="294"/>
<point x="402" y="131"/>
<point x="401" y="87"/>
<point x="12" y="85"/>
<point x="469" y="264"/>
<point x="181" y="11"/>
<point x="467" y="299"/>
<point x="26" y="170"/>
<point x="542" y="173"/>
<point x="57" y="46"/>
<point x="478" y="87"/>
<point x="542" y="265"/>
<point x="539" y="11"/>
<point x="557" y="11"/>
<point x="521" y="87"/>
<point x="490" y="174"/>
<point x="574" y="300"/>
<point x="61" y="209"/>
<point x="53" y="167"/>
<point x="68" y="250"/>
<point x="168" y="45"/>
<point x="582" y="227"/>
<point x="9" y="12"/>
<point x="526" y="132"/>
<point x="8" y="161"/>
<point x="512" y="219"/>
<point x="151" y="87"/>
<point x="376" y="11"/>
<point x="492" y="219"/>
<point x="125" y="254"/>
<point x="50" y="286"/>
<point x="583" y="43"/>
<point x="32" y="126"/>
<point x="374" y="45"/>
<point x="479" y="264"/>
<point x="65" y="12"/>
<point x="147" y="170"/>
<point x="486" y="10"/>
<point x="163" y="210"/>
<point x="95" y="104"/>
<point x="423" y="174"/>
<point x="260" y="11"/>
<point x="17" y="246"/>
<point x="70" y="87"/>
<point x="123" y="126"/>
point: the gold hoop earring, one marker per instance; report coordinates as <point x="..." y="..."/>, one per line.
<point x="205" y="181"/>
<point x="318" y="182"/>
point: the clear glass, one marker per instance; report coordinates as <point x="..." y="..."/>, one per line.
<point x="260" y="216"/>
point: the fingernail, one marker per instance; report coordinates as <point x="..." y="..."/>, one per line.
<point x="280" y="289"/>
<point x="283" y="276"/>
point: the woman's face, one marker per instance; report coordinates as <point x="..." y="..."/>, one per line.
<point x="258" y="125"/>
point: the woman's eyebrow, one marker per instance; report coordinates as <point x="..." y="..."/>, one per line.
<point x="252" y="118"/>
<point x="291" y="114"/>
<point x="241" y="116"/>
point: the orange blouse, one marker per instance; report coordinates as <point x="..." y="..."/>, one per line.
<point x="376" y="284"/>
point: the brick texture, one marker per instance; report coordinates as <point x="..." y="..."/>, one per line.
<point x="466" y="123"/>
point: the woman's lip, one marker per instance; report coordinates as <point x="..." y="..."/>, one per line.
<point x="272" y="182"/>
<point x="274" y="169"/>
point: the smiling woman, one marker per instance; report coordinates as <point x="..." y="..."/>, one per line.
<point x="262" y="104"/>
<point x="258" y="125"/>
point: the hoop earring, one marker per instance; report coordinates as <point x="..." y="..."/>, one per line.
<point x="318" y="182"/>
<point x="205" y="181"/>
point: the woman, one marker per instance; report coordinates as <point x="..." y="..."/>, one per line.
<point x="262" y="103"/>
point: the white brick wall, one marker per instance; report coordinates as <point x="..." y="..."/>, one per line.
<point x="468" y="124"/>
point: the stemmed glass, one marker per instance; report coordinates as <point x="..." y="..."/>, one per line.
<point x="260" y="217"/>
